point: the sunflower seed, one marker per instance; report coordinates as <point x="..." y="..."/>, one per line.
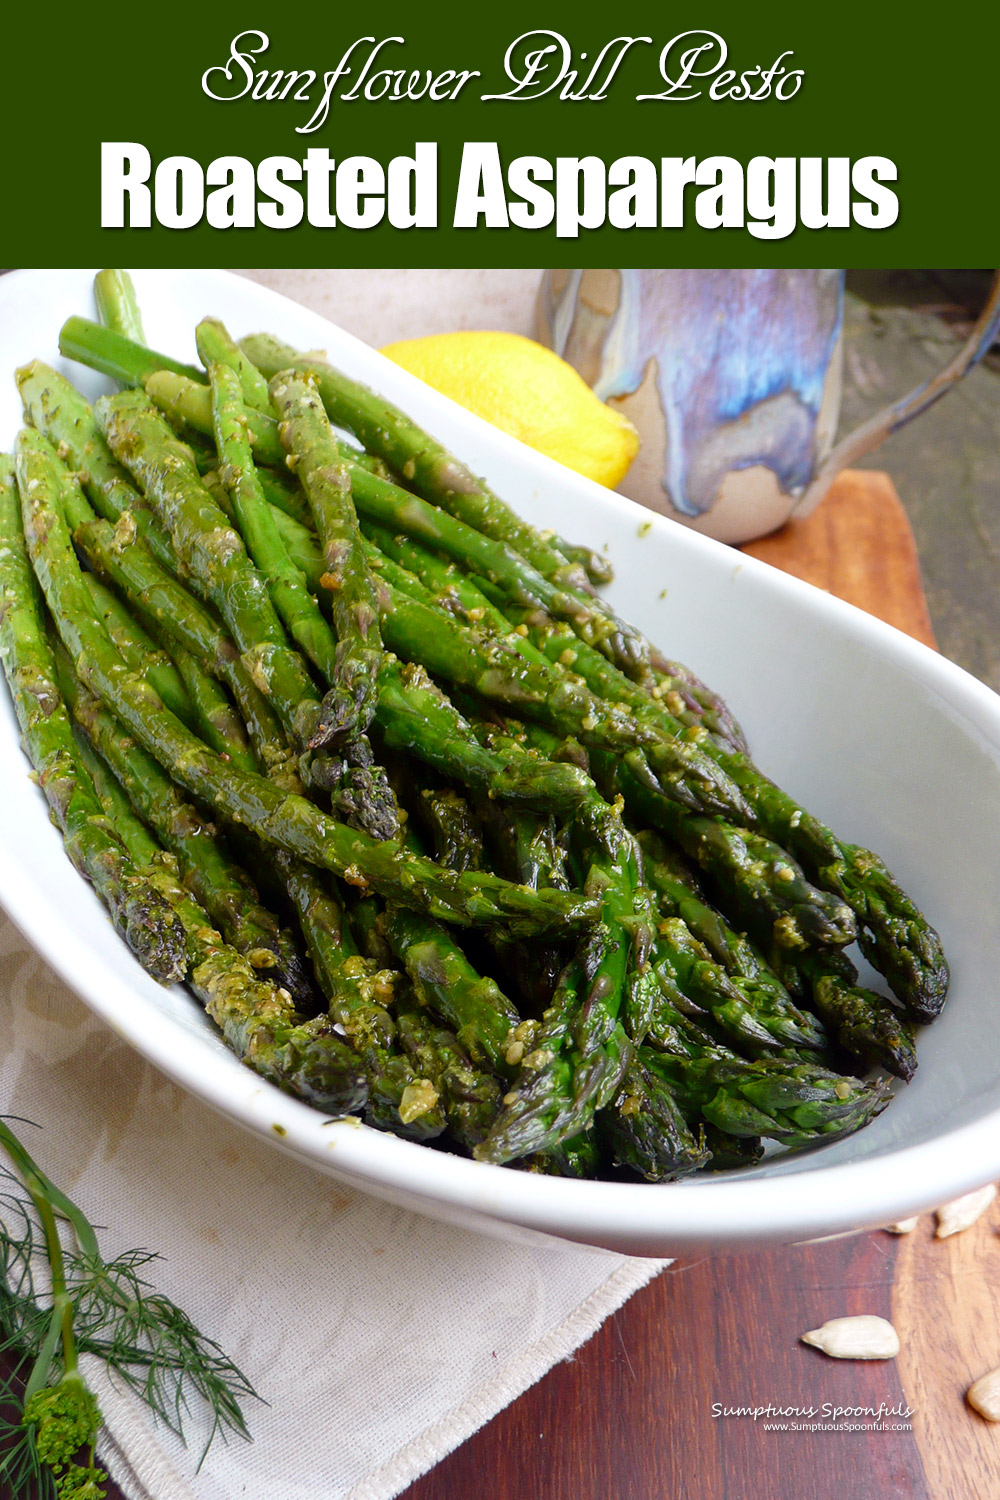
<point x="953" y="1217"/>
<point x="983" y="1396"/>
<point x="903" y="1226"/>
<point x="863" y="1337"/>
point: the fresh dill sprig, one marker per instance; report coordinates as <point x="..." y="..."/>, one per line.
<point x="154" y="1347"/>
<point x="93" y="1306"/>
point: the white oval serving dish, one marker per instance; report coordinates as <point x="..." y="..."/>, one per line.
<point x="894" y="746"/>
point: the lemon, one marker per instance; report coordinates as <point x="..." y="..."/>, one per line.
<point x="526" y="390"/>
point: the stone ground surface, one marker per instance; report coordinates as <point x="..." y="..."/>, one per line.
<point x="899" y="329"/>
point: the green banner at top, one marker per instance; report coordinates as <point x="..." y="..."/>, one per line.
<point x="704" y="134"/>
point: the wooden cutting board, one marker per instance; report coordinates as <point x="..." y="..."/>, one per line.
<point x="631" y="1417"/>
<point x="859" y="546"/>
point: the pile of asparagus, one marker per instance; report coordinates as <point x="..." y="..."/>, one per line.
<point x="436" y="838"/>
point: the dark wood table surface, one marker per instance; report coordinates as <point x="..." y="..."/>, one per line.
<point x="633" y="1415"/>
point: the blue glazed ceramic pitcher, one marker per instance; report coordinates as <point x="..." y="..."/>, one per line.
<point x="733" y="381"/>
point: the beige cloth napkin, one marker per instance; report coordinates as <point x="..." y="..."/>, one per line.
<point x="378" y="1339"/>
